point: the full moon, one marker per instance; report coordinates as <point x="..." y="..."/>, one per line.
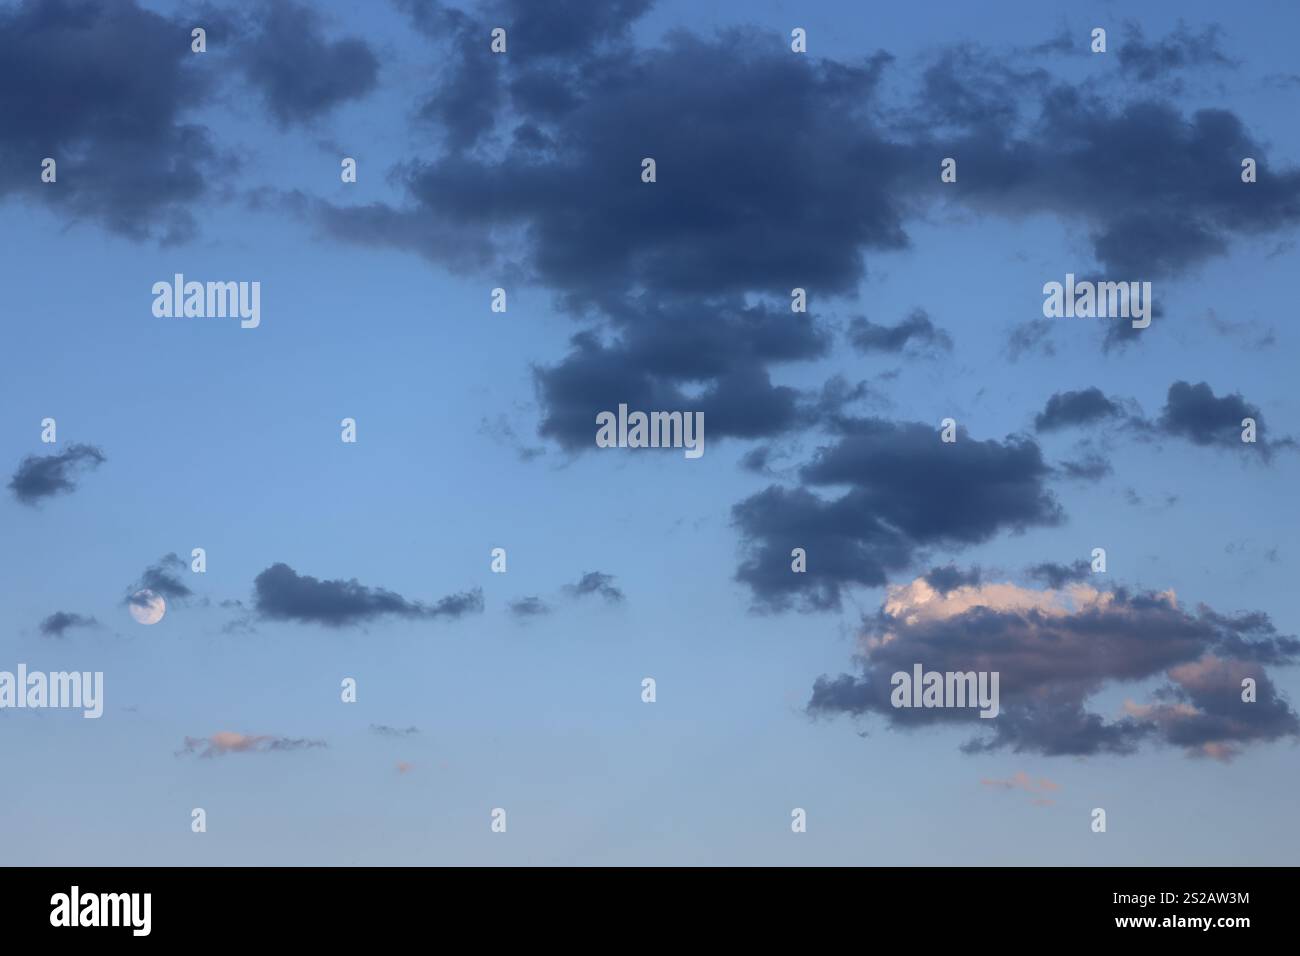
<point x="147" y="607"/>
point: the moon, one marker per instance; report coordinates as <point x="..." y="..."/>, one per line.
<point x="147" y="607"/>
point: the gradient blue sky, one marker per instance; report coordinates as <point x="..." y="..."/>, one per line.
<point x="228" y="439"/>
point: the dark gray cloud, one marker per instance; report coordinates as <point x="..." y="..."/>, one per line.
<point x="57" y="623"/>
<point x="162" y="577"/>
<point x="659" y="351"/>
<point x="109" y="89"/>
<point x="44" y="476"/>
<point x="301" y="74"/>
<point x="715" y="228"/>
<point x="529" y="607"/>
<point x="553" y="51"/>
<point x="1083" y="407"/>
<point x="541" y="170"/>
<point x="1191" y="412"/>
<point x="950" y="578"/>
<point x="282" y="594"/>
<point x="1056" y="575"/>
<point x="1109" y="639"/>
<point x="915" y="333"/>
<point x="1028" y="144"/>
<point x="707" y="227"/>
<point x="596" y="582"/>
<point x="907" y="490"/>
<point x="1195" y="413"/>
<point x="102" y="86"/>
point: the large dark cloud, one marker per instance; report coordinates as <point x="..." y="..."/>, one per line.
<point x="44" y="476"/>
<point x="709" y="226"/>
<point x="1027" y="143"/>
<point x="112" y="92"/>
<point x="282" y="594"/>
<point x="1075" y="408"/>
<point x="102" y="87"/>
<point x="684" y="282"/>
<point x="908" y="490"/>
<point x="687" y="280"/>
<point x="1053" y="654"/>
<point x="302" y="74"/>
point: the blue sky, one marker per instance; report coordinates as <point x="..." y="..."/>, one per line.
<point x="375" y="306"/>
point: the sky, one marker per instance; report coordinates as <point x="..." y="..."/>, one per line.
<point x="522" y="691"/>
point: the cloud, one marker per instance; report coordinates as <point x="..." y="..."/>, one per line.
<point x="114" y="81"/>
<point x="1030" y="338"/>
<point x="282" y="594"/>
<point x="300" y="73"/>
<point x="529" y="607"/>
<point x="660" y="350"/>
<point x="1083" y="407"/>
<point x="162" y="578"/>
<point x="596" y="582"/>
<point x="715" y="236"/>
<point x="950" y="577"/>
<point x="1202" y="710"/>
<point x="1031" y="144"/>
<point x="540" y="174"/>
<point x="57" y="623"/>
<point x="1191" y="412"/>
<point x="1091" y="467"/>
<point x="383" y="730"/>
<point x="908" y="490"/>
<point x="1022" y="781"/>
<point x="1195" y="413"/>
<point x="915" y="333"/>
<point x="1252" y="335"/>
<point x="1055" y="650"/>
<point x="1056" y="576"/>
<point x="229" y="742"/>
<point x="45" y="476"/>
<point x="1180" y="50"/>
<point x="504" y="433"/>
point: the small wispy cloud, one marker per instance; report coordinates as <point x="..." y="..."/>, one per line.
<point x="596" y="582"/>
<point x="230" y="742"/>
<point x="1022" y="781"/>
<point x="383" y="730"/>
